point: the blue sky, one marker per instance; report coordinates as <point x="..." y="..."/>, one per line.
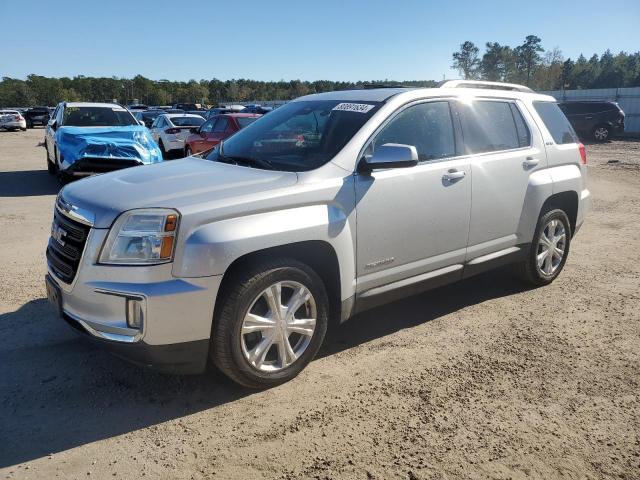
<point x="274" y="40"/>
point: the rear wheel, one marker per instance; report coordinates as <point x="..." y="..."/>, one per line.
<point x="270" y="323"/>
<point x="601" y="133"/>
<point x="549" y="249"/>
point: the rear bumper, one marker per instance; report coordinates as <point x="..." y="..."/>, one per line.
<point x="584" y="206"/>
<point x="10" y="125"/>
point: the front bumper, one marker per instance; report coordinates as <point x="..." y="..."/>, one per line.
<point x="177" y="313"/>
<point x="92" y="165"/>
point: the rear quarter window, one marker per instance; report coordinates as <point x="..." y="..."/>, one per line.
<point x="555" y="121"/>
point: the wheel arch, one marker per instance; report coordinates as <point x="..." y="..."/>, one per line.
<point x="566" y="201"/>
<point x="317" y="254"/>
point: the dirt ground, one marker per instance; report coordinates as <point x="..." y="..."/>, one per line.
<point x="482" y="379"/>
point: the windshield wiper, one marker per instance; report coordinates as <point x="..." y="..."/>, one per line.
<point x="255" y="162"/>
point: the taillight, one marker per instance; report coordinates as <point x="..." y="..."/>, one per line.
<point x="583" y="154"/>
<point x="17" y="118"/>
<point x="171" y="131"/>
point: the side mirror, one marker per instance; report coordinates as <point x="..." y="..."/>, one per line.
<point x="194" y="129"/>
<point x="390" y="155"/>
<point x="141" y="122"/>
<point x="53" y="124"/>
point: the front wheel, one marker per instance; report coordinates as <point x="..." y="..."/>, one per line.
<point x="187" y="152"/>
<point x="270" y="323"/>
<point x="549" y="249"/>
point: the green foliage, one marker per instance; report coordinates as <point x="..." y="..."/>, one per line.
<point x="526" y="64"/>
<point x="39" y="90"/>
<point x="466" y="60"/>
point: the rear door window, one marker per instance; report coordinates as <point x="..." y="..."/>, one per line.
<point x="555" y="121"/>
<point x="490" y="126"/>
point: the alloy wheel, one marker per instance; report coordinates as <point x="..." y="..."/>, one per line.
<point x="601" y="134"/>
<point x="551" y="247"/>
<point x="278" y="326"/>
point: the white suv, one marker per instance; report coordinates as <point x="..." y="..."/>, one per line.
<point x="328" y="206"/>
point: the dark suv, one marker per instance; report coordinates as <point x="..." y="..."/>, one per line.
<point x="597" y="121"/>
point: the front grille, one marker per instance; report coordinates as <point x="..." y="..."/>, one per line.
<point x="66" y="245"/>
<point x="102" y="165"/>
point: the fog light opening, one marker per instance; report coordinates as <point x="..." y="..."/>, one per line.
<point x="135" y="313"/>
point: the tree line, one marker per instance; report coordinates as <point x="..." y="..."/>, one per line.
<point x="39" y="90"/>
<point x="540" y="69"/>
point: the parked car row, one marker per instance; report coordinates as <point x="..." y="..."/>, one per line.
<point x="84" y="138"/>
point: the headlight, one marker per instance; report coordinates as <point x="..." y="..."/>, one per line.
<point x="141" y="237"/>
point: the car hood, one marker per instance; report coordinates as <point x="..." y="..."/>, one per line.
<point x="180" y="184"/>
<point x="132" y="141"/>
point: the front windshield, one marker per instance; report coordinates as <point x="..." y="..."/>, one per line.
<point x="97" y="117"/>
<point x="187" y="121"/>
<point x="298" y="136"/>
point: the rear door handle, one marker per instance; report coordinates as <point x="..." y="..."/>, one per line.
<point x="530" y="162"/>
<point x="453" y="175"/>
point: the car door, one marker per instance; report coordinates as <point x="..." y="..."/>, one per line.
<point x="199" y="140"/>
<point x="50" y="132"/>
<point x="506" y="152"/>
<point x="217" y="134"/>
<point x="48" y="135"/>
<point x="156" y="127"/>
<point x="412" y="221"/>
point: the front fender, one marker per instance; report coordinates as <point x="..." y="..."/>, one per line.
<point x="211" y="248"/>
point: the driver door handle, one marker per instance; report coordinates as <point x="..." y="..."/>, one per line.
<point x="530" y="162"/>
<point x="453" y="175"/>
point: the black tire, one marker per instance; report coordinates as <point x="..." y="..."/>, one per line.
<point x="63" y="177"/>
<point x="528" y="270"/>
<point x="601" y="133"/>
<point x="162" y="150"/>
<point x="235" y="300"/>
<point x="187" y="152"/>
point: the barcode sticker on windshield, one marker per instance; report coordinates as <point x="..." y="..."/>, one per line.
<point x="353" y="107"/>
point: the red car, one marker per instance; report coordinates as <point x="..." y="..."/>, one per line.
<point x="217" y="128"/>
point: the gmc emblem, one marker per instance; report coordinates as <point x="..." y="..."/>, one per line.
<point x="57" y="233"/>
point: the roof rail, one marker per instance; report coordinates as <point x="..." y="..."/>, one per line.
<point x="483" y="84"/>
<point x="371" y="86"/>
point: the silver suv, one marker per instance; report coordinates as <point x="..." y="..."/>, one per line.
<point x="328" y="206"/>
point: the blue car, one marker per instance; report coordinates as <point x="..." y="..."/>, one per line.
<point x="82" y="139"/>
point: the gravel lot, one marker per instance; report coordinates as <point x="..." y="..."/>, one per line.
<point x="476" y="380"/>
